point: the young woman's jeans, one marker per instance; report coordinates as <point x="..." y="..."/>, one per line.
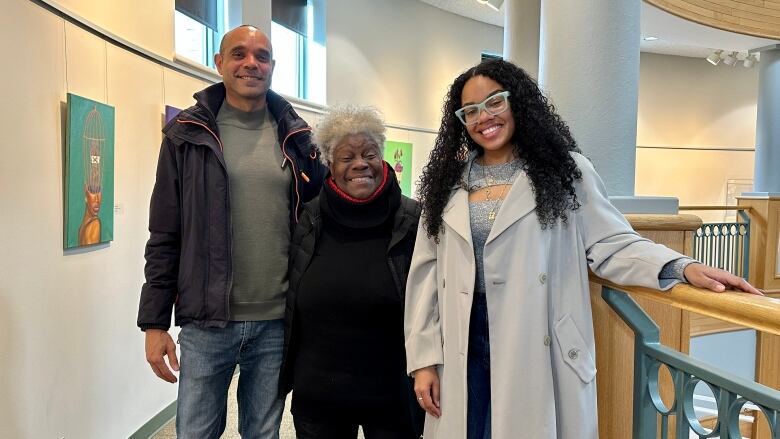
<point x="478" y="371"/>
<point x="208" y="359"/>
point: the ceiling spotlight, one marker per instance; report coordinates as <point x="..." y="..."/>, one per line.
<point x="730" y="59"/>
<point x="651" y="38"/>
<point x="750" y="61"/>
<point x="714" y="57"/>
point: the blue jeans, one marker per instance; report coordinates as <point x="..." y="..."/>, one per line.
<point x="478" y="371"/>
<point x="209" y="357"/>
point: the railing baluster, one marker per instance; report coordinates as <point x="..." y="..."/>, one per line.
<point x="650" y="355"/>
<point x="724" y="245"/>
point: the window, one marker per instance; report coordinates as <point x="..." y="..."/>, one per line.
<point x="299" y="50"/>
<point x="199" y="26"/>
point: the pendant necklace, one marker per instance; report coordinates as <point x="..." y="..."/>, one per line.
<point x="491" y="181"/>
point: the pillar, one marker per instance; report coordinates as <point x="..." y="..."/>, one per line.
<point x="589" y="67"/>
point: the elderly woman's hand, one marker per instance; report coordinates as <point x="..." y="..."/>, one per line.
<point x="715" y="279"/>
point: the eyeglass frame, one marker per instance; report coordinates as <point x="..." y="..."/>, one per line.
<point x="482" y="107"/>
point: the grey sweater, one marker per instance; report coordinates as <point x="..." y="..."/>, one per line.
<point x="259" y="200"/>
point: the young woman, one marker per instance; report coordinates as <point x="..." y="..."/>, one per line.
<point x="499" y="336"/>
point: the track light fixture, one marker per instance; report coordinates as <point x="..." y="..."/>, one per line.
<point x="714" y="57"/>
<point x="730" y="59"/>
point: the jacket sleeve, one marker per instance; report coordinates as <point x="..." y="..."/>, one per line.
<point x="422" y="327"/>
<point x="162" y="253"/>
<point x="614" y="250"/>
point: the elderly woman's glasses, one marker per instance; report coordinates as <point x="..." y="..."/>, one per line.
<point x="494" y="105"/>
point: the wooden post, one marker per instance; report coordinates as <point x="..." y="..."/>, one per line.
<point x="765" y="274"/>
<point x="615" y="341"/>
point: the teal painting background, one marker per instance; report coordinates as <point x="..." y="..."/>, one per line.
<point x="406" y="162"/>
<point x="78" y="108"/>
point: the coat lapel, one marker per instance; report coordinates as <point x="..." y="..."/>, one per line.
<point x="518" y="203"/>
<point x="456" y="214"/>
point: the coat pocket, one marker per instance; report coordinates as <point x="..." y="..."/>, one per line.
<point x="574" y="350"/>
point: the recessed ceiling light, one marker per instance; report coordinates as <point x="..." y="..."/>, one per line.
<point x="651" y="38"/>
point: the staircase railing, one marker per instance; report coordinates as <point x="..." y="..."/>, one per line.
<point x="733" y="394"/>
<point x="725" y="244"/>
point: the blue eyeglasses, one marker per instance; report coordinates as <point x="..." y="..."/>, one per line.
<point x="494" y="105"/>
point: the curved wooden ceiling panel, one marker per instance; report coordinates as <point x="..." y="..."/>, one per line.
<point x="759" y="18"/>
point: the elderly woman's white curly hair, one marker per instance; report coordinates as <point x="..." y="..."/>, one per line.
<point x="345" y="119"/>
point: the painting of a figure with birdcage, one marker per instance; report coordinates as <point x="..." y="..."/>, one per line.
<point x="89" y="173"/>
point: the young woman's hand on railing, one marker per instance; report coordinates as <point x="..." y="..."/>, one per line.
<point x="715" y="279"/>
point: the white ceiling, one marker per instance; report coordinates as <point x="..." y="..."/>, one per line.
<point x="677" y="36"/>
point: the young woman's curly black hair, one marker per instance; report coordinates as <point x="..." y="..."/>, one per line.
<point x="541" y="140"/>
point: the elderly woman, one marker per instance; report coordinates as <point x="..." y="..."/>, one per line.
<point x="344" y="354"/>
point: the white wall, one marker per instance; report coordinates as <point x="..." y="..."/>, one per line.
<point x="688" y="103"/>
<point x="401" y="56"/>
<point x="146" y="23"/>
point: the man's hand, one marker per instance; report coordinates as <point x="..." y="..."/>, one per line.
<point x="159" y="344"/>
<point x="426" y="387"/>
<point x="715" y="279"/>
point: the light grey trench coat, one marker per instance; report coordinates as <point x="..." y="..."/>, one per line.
<point x="542" y="366"/>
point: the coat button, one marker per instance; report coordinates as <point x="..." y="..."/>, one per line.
<point x="547" y="340"/>
<point x="574" y="354"/>
<point x="443" y="282"/>
<point x="543" y="278"/>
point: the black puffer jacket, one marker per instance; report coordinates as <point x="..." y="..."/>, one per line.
<point x="399" y="256"/>
<point x="188" y="255"/>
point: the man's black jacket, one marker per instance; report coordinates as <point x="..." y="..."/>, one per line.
<point x="188" y="255"/>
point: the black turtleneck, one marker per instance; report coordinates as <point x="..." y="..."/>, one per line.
<point x="349" y="316"/>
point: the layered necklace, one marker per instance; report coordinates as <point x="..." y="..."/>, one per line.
<point x="495" y="175"/>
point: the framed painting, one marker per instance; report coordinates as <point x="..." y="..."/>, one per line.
<point x="89" y="173"/>
<point x="399" y="155"/>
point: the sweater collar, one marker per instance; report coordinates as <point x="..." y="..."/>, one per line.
<point x="351" y="212"/>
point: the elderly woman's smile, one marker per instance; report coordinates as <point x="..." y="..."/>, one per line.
<point x="357" y="165"/>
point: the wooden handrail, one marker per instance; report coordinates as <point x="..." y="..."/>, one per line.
<point x="685" y="222"/>
<point x="760" y="313"/>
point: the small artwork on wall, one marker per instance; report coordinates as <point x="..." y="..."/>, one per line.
<point x="399" y="155"/>
<point x="170" y="113"/>
<point x="89" y="173"/>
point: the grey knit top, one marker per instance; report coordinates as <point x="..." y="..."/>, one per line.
<point x="481" y="177"/>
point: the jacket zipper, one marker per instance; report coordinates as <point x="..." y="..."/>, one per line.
<point x="295" y="171"/>
<point x="230" y="217"/>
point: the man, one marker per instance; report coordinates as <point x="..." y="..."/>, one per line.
<point x="233" y="173"/>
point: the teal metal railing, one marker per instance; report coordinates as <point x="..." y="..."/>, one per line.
<point x="725" y="245"/>
<point x="731" y="392"/>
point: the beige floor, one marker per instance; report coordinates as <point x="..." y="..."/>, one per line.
<point x="287" y="431"/>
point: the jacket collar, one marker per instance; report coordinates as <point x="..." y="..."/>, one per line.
<point x="519" y="202"/>
<point x="405" y="221"/>
<point x="208" y="102"/>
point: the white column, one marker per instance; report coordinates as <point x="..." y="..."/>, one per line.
<point x="589" y="66"/>
<point x="767" y="165"/>
<point x="521" y="34"/>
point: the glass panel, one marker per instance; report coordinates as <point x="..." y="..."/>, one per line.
<point x="285" y="45"/>
<point x="190" y="38"/>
